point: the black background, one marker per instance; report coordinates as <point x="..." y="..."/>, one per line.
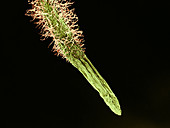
<point x="128" y="43"/>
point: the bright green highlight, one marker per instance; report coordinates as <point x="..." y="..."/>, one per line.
<point x="84" y="65"/>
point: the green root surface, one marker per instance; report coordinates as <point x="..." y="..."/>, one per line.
<point x="84" y="65"/>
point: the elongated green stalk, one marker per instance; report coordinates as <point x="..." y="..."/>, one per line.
<point x="58" y="22"/>
<point x="84" y="65"/>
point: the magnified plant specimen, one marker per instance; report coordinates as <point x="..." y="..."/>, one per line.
<point x="57" y="21"/>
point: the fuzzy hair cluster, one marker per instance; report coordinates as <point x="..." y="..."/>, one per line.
<point x="57" y="21"/>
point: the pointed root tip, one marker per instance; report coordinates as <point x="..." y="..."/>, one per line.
<point x="117" y="111"/>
